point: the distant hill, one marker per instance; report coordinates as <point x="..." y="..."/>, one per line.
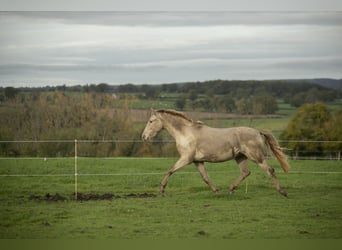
<point x="325" y="82"/>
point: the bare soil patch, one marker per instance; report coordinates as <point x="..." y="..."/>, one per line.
<point x="88" y="197"/>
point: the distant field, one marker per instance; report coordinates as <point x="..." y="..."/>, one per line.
<point x="276" y="123"/>
<point x="187" y="210"/>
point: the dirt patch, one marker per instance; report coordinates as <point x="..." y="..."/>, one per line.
<point x="47" y="197"/>
<point x="143" y="195"/>
<point x="89" y="197"/>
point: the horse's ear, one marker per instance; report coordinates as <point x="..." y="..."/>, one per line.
<point x="153" y="112"/>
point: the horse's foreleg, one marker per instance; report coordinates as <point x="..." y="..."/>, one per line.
<point x="204" y="174"/>
<point x="179" y="164"/>
<point x="242" y="161"/>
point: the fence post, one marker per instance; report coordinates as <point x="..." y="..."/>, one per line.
<point x="75" y="169"/>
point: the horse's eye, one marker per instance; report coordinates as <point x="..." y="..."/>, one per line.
<point x="151" y="121"/>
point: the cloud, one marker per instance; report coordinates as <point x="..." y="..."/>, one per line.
<point x="176" y="19"/>
<point x="148" y="47"/>
<point x="178" y="5"/>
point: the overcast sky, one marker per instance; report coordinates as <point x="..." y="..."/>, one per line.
<point x="55" y="48"/>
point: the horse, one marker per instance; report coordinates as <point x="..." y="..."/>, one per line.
<point x="197" y="143"/>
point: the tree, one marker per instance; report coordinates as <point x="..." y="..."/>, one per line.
<point x="206" y="103"/>
<point x="11" y="92"/>
<point x="333" y="131"/>
<point x="55" y="115"/>
<point x="151" y="92"/>
<point x="229" y="103"/>
<point x="309" y="124"/>
<point x="180" y="103"/>
<point x="264" y="104"/>
<point x="298" y="99"/>
<point x="243" y="106"/>
<point x="102" y="88"/>
<point x="192" y="95"/>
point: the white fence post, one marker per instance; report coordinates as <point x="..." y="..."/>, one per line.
<point x="75" y="169"/>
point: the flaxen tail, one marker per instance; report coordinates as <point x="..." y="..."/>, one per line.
<point x="274" y="146"/>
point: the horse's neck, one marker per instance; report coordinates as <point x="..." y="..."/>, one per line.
<point x="175" y="129"/>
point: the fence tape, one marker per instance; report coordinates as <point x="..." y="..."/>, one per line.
<point x="152" y="173"/>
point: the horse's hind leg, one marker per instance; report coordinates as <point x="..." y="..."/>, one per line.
<point x="242" y="161"/>
<point x="205" y="177"/>
<point x="270" y="171"/>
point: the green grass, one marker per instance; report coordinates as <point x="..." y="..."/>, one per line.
<point x="187" y="210"/>
<point x="285" y="108"/>
<point x="335" y="105"/>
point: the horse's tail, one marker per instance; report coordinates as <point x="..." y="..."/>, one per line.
<point x="274" y="146"/>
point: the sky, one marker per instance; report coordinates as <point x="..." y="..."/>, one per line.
<point x="39" y="48"/>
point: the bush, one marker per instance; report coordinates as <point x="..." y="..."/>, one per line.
<point x="314" y="122"/>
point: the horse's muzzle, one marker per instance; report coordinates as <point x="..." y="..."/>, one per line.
<point x="145" y="137"/>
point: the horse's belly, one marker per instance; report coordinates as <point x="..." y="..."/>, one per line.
<point x="214" y="156"/>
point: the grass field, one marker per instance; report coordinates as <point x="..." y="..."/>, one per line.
<point x="187" y="210"/>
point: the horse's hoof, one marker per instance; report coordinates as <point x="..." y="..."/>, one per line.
<point x="283" y="192"/>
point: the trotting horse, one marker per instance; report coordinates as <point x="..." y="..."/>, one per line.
<point x="198" y="143"/>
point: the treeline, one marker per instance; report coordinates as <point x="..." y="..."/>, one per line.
<point x="261" y="103"/>
<point x="242" y="97"/>
<point x="290" y="91"/>
<point x="61" y="116"/>
<point x="57" y="116"/>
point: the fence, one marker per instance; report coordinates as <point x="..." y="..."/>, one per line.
<point x="312" y="150"/>
<point x="295" y="149"/>
<point x="79" y="149"/>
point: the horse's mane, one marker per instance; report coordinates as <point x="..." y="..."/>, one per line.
<point x="177" y="113"/>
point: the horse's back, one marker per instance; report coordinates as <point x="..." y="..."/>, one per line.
<point x="245" y="137"/>
<point x="244" y="133"/>
<point x="230" y="134"/>
<point x="220" y="144"/>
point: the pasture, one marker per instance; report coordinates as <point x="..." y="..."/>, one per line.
<point x="188" y="209"/>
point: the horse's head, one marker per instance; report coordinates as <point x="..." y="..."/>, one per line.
<point x="153" y="126"/>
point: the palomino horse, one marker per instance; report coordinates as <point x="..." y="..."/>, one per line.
<point x="198" y="143"/>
